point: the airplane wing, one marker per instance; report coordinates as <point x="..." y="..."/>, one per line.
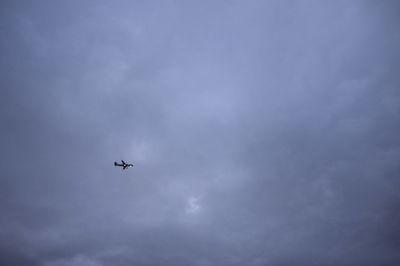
<point x="123" y="162"/>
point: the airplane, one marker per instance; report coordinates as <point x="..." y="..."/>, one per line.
<point x="124" y="165"/>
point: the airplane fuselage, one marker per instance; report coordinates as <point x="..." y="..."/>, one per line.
<point x="124" y="165"/>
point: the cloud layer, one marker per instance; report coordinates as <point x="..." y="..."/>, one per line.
<point x="262" y="133"/>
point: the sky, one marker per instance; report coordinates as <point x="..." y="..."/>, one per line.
<point x="261" y="133"/>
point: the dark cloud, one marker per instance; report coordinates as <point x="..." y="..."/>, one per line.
<point x="261" y="133"/>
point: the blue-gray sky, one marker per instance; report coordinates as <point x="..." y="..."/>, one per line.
<point x="262" y="133"/>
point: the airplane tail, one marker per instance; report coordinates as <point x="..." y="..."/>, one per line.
<point x="115" y="163"/>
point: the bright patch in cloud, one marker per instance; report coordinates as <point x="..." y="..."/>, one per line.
<point x="193" y="205"/>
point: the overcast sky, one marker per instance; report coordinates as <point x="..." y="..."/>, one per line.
<point x="262" y="133"/>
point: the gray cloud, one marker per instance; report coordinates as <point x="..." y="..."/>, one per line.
<point x="262" y="133"/>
